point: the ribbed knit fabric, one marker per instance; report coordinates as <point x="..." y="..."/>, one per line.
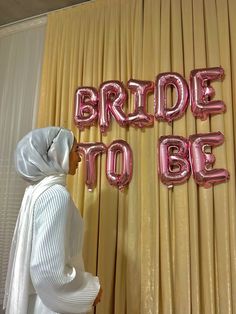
<point x="56" y="267"/>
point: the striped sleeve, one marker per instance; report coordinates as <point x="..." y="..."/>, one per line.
<point x="61" y="287"/>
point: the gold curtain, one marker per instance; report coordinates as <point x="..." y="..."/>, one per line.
<point x="156" y="250"/>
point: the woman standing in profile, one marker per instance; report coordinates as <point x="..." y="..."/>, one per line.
<point x="46" y="272"/>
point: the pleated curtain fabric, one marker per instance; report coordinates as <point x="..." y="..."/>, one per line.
<point x="21" y="48"/>
<point x="156" y="250"/>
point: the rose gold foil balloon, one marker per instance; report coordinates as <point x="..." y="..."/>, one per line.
<point x="90" y="151"/>
<point x="201" y="92"/>
<point x="112" y="96"/>
<point x="140" y="118"/>
<point x="86" y="111"/>
<point x="202" y="161"/>
<point x="123" y="178"/>
<point x="174" y="166"/>
<point x="163" y="81"/>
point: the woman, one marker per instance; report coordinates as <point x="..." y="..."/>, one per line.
<point x="45" y="271"/>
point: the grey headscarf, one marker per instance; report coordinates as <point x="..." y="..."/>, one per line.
<point x="44" y="152"/>
<point x="42" y="158"/>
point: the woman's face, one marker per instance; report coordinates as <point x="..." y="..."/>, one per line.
<point x="74" y="158"/>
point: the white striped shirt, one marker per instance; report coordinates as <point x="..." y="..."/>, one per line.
<point x="56" y="268"/>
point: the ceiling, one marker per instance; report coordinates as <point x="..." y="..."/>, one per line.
<point x="15" y="10"/>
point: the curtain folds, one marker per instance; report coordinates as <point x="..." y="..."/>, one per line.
<point x="21" y="52"/>
<point x="156" y="250"/>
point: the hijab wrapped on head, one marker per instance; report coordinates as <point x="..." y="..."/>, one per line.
<point x="44" y="152"/>
<point x="41" y="158"/>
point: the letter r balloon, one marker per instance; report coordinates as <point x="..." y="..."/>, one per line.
<point x="112" y="97"/>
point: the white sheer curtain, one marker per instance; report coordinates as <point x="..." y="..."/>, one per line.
<point x="21" y="50"/>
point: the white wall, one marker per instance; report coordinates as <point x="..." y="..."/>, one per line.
<point x="21" y="52"/>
